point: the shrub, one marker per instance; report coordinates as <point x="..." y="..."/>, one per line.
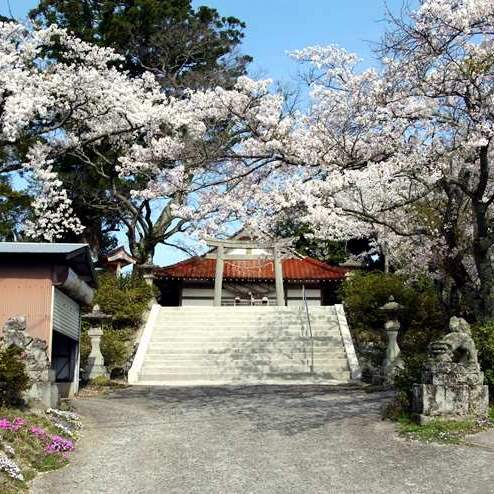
<point x="13" y="377"/>
<point x="410" y="374"/>
<point x="101" y="381"/>
<point x="124" y="297"/>
<point x="422" y="318"/>
<point x="483" y="335"/>
<point x="85" y="346"/>
<point x="116" y="347"/>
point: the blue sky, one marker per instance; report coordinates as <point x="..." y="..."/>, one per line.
<point x="277" y="26"/>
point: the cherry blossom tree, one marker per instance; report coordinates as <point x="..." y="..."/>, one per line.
<point x="52" y="108"/>
<point x="403" y="154"/>
<point x="163" y="162"/>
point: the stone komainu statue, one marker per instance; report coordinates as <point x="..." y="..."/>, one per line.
<point x="452" y="382"/>
<point x="457" y="346"/>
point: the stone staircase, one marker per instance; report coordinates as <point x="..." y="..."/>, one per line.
<point x="244" y="345"/>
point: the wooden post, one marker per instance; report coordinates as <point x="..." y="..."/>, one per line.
<point x="218" y="280"/>
<point x="278" y="277"/>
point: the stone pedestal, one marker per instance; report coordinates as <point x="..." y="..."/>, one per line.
<point x="458" y="402"/>
<point x="96" y="363"/>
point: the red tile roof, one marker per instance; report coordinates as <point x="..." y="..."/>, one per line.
<point x="202" y="268"/>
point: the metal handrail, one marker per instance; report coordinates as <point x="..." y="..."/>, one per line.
<point x="311" y="336"/>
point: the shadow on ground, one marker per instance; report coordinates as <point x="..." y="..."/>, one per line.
<point x="288" y="410"/>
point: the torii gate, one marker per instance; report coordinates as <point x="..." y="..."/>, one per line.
<point x="248" y="244"/>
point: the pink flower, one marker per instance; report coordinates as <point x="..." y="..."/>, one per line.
<point x="5" y="424"/>
<point x="38" y="432"/>
<point x="59" y="445"/>
<point x="18" y="423"/>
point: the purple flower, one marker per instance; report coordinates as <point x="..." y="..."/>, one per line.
<point x="18" y="423"/>
<point x="5" y="424"/>
<point x="59" y="444"/>
<point x="38" y="432"/>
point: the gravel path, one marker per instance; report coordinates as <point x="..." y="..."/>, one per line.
<point x="257" y="440"/>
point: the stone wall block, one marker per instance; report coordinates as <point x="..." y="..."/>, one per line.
<point x="43" y="389"/>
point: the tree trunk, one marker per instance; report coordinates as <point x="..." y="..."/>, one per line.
<point x="143" y="251"/>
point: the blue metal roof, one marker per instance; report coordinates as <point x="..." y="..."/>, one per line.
<point x="39" y="248"/>
<point x="76" y="256"/>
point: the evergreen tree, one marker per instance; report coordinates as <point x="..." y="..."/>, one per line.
<point x="183" y="47"/>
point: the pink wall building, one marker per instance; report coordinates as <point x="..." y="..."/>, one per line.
<point x="48" y="284"/>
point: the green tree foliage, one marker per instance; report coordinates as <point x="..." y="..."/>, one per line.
<point x="483" y="335"/>
<point x="14" y="209"/>
<point x="88" y="192"/>
<point x="116" y="347"/>
<point x="330" y="251"/>
<point x="124" y="297"/>
<point x="183" y="46"/>
<point x="13" y="377"/>
<point x="422" y="318"/>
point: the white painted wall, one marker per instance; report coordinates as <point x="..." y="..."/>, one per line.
<point x="197" y="302"/>
<point x="245" y="252"/>
<point x="299" y="302"/>
<point x="195" y="296"/>
<point x="297" y="292"/>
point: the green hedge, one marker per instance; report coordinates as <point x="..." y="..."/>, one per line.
<point x="421" y="320"/>
<point x="483" y="335"/>
<point x="116" y="348"/>
<point x="124" y="297"/>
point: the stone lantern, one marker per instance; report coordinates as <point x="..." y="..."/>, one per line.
<point x="96" y="364"/>
<point x="147" y="271"/>
<point x="391" y="327"/>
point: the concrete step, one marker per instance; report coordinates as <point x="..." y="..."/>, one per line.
<point x="246" y="344"/>
<point x="249" y="309"/>
<point x="232" y="330"/>
<point x="232" y="322"/>
<point x="247" y="329"/>
<point x="191" y="377"/>
<point x="243" y="318"/>
<point x="336" y="356"/>
<point x="184" y="338"/>
<point x="243" y="323"/>
<point x="233" y="372"/>
<point x="249" y="313"/>
<point x="288" y="364"/>
<point x="187" y="357"/>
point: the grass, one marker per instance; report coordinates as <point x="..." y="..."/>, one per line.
<point x="27" y="450"/>
<point x="100" y="386"/>
<point x="443" y="431"/>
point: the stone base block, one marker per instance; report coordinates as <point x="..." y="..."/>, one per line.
<point x="452" y="402"/>
<point x="94" y="370"/>
<point x="44" y="394"/>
